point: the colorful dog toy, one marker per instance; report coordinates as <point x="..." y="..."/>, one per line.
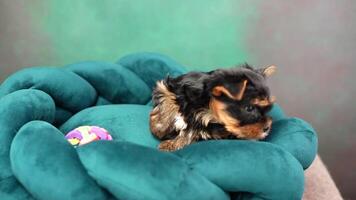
<point x="86" y="134"/>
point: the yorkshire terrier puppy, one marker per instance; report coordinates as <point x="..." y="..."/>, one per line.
<point x="221" y="104"/>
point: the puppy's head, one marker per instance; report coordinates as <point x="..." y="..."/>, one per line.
<point x="240" y="100"/>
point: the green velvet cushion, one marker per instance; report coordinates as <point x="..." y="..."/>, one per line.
<point x="40" y="105"/>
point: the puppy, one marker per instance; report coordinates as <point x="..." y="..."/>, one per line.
<point x="220" y="104"/>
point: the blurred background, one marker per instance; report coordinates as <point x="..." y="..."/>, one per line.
<point x="312" y="42"/>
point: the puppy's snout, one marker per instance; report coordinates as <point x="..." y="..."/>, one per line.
<point x="266" y="128"/>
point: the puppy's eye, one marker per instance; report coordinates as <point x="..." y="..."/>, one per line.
<point x="249" y="108"/>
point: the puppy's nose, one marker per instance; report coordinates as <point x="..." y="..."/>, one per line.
<point x="266" y="128"/>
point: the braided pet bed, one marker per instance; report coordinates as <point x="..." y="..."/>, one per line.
<point x="39" y="105"/>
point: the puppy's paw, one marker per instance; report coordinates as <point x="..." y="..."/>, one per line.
<point x="168" y="145"/>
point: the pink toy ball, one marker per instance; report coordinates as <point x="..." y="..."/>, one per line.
<point x="86" y="134"/>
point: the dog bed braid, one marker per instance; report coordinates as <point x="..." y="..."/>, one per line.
<point x="40" y="105"/>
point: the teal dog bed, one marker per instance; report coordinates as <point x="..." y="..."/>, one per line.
<point x="40" y="105"/>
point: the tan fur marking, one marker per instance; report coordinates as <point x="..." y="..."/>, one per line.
<point x="268" y="71"/>
<point x="252" y="131"/>
<point x="218" y="90"/>
<point x="242" y="90"/>
<point x="263" y="102"/>
<point x="255" y="131"/>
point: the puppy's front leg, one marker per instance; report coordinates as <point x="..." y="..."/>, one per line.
<point x="177" y="143"/>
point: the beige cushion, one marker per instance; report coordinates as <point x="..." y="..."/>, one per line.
<point x="319" y="184"/>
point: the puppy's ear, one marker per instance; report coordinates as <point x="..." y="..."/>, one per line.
<point x="268" y="71"/>
<point x="235" y="93"/>
<point x="241" y="87"/>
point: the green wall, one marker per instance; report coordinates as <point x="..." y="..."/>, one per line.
<point x="197" y="33"/>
